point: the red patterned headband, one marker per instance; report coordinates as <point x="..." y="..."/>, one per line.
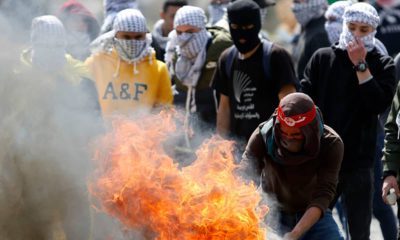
<point x="296" y="121"/>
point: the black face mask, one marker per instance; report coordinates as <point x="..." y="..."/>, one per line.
<point x="250" y="35"/>
<point x="243" y="14"/>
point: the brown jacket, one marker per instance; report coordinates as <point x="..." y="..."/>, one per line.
<point x="297" y="187"/>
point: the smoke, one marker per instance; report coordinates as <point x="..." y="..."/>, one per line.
<point x="46" y="125"/>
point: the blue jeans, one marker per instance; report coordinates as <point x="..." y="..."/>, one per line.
<point x="326" y="228"/>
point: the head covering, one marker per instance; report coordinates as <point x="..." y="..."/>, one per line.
<point x="131" y="51"/>
<point x="48" y="30"/>
<point x="72" y="8"/>
<point x="361" y="13"/>
<point x="190" y="15"/>
<point x="130" y="20"/>
<point x="115" y="6"/>
<point x="297" y="110"/>
<point x="334" y="16"/>
<point x="48" y="43"/>
<point x="308" y="10"/>
<point x="242" y="13"/>
<point x="111" y="8"/>
<point x="191" y="47"/>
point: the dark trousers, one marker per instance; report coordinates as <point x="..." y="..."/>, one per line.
<point x="356" y="189"/>
<point x="326" y="228"/>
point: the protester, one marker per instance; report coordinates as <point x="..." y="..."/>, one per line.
<point x="334" y="24"/>
<point x="47" y="63"/>
<point x="352" y="83"/>
<point x="192" y="63"/>
<point x="389" y="27"/>
<point x="217" y="11"/>
<point x="165" y="25"/>
<point x="297" y="159"/>
<point x="310" y="15"/>
<point x="111" y="8"/>
<point x="391" y="145"/>
<point x="81" y="27"/>
<point x="249" y="87"/>
<point x="127" y="75"/>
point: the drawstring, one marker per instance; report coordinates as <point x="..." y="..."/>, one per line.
<point x="187" y="115"/>
<point x="116" y="74"/>
<point x="135" y="71"/>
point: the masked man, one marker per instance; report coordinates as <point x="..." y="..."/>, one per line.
<point x="353" y="83"/>
<point x="128" y="77"/>
<point x="298" y="159"/>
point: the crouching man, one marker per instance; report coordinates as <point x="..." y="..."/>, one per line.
<point x="297" y="158"/>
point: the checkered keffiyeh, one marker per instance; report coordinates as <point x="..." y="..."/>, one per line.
<point x="308" y="10"/>
<point x="130" y="20"/>
<point x="49" y="31"/>
<point x="361" y="12"/>
<point x="190" y="15"/>
<point x="115" y="6"/>
<point x="336" y="10"/>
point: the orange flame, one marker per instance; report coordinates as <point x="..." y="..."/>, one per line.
<point x="139" y="184"/>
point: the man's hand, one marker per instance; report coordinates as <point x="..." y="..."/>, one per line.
<point x="388" y="183"/>
<point x="290" y="236"/>
<point x="356" y="51"/>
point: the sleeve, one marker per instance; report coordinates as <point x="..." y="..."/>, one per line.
<point x="307" y="84"/>
<point x="391" y="150"/>
<point x="319" y="40"/>
<point x="164" y="96"/>
<point x="252" y="163"/>
<point x="282" y="68"/>
<point x="220" y="81"/>
<point x="327" y="176"/>
<point x="377" y="94"/>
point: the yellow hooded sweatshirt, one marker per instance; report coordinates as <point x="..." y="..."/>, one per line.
<point x="122" y="91"/>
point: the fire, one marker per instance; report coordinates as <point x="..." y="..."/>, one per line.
<point x="141" y="186"/>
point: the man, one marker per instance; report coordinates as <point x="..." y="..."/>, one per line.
<point x="192" y="63"/>
<point x="249" y="90"/>
<point x="352" y="83"/>
<point x="310" y="15"/>
<point x="217" y="11"/>
<point x="298" y="159"/>
<point x="111" y="8"/>
<point x="165" y="25"/>
<point x="82" y="28"/>
<point x="128" y="77"/>
<point x="389" y="28"/>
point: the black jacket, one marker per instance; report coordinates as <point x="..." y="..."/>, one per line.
<point x="349" y="108"/>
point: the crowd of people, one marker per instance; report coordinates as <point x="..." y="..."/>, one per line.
<point x="317" y="123"/>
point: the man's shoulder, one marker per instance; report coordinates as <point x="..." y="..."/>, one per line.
<point x="330" y="136"/>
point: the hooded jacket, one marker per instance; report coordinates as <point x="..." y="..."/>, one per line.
<point x="122" y="91"/>
<point x="299" y="180"/>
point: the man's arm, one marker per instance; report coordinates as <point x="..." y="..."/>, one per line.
<point x="310" y="217"/>
<point x="223" y="116"/>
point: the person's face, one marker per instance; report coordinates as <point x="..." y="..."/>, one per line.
<point x="168" y="17"/>
<point x="131" y="35"/>
<point x="186" y="29"/>
<point x="235" y="26"/>
<point x="76" y="23"/>
<point x="359" y="30"/>
<point x="291" y="138"/>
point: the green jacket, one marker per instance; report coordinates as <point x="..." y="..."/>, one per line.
<point x="221" y="40"/>
<point x="391" y="151"/>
